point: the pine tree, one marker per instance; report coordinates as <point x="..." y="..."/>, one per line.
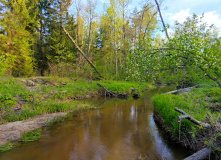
<point x="17" y="23"/>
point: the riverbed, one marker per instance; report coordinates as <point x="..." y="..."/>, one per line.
<point x="118" y="129"/>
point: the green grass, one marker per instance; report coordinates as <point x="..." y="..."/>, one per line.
<point x="56" y="95"/>
<point x="195" y="103"/>
<point x="31" y="136"/>
<point x="6" y="147"/>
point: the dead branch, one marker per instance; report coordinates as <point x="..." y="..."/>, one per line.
<point x="190" y="118"/>
<point x="201" y="154"/>
<point x="82" y="53"/>
<point x="107" y="91"/>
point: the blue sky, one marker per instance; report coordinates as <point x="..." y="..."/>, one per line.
<point x="173" y="10"/>
<point x="180" y="9"/>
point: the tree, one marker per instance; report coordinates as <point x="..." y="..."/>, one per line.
<point x="195" y="44"/>
<point x="18" y="21"/>
<point x="90" y="12"/>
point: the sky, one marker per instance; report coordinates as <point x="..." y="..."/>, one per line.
<point x="179" y="10"/>
<point x="173" y="10"/>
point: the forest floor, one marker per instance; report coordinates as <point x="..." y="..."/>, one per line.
<point x="202" y="104"/>
<point x="30" y="103"/>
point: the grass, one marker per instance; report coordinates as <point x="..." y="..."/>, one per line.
<point x="51" y="94"/>
<point x="198" y="103"/>
<point x="6" y="147"/>
<point x="31" y="136"/>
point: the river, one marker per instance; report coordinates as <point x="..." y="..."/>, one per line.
<point x="118" y="130"/>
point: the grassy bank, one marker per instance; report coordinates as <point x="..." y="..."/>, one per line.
<point x="203" y="104"/>
<point x="22" y="98"/>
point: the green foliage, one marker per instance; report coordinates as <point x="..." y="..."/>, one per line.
<point x="7" y="101"/>
<point x="193" y="48"/>
<point x="6" y="147"/>
<point x="18" y="19"/>
<point x="31" y="136"/>
<point x="27" y="96"/>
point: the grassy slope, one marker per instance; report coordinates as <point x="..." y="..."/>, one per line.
<point x="51" y="94"/>
<point x="202" y="103"/>
<point x="199" y="103"/>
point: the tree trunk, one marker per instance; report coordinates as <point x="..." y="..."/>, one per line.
<point x="202" y="154"/>
<point x="161" y="17"/>
<point x="89" y="39"/>
<point x="81" y="52"/>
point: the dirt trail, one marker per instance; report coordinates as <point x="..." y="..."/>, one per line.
<point x="13" y="130"/>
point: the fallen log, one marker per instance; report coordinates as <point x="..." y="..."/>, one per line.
<point x="183" y="90"/>
<point x="201" y="154"/>
<point x="81" y="52"/>
<point x="190" y="118"/>
<point x="111" y="94"/>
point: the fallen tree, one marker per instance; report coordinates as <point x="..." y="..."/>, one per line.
<point x="202" y="154"/>
<point x="183" y="90"/>
<point x="205" y="152"/>
<point x="112" y="94"/>
<point x="107" y="92"/>
<point x="81" y="52"/>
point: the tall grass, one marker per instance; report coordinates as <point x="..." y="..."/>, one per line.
<point x="194" y="103"/>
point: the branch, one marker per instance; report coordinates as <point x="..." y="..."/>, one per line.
<point x="106" y="90"/>
<point x="211" y="77"/>
<point x="190" y="118"/>
<point x="82" y="53"/>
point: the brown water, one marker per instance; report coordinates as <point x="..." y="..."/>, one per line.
<point x="120" y="129"/>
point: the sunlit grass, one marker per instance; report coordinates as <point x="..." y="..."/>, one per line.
<point x="194" y="103"/>
<point x="31" y="136"/>
<point x="6" y="147"/>
<point x="56" y="95"/>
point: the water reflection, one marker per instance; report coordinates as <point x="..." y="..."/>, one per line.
<point x="121" y="129"/>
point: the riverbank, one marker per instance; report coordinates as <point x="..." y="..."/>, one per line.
<point x="202" y="104"/>
<point x="24" y="98"/>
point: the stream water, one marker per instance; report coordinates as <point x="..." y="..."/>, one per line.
<point x="120" y="129"/>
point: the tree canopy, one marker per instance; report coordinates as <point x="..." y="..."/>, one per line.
<point x="123" y="44"/>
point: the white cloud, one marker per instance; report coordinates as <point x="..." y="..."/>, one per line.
<point x="179" y="16"/>
<point x="210" y="18"/>
<point x="213" y="18"/>
<point x="179" y="10"/>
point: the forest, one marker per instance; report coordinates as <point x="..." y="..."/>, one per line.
<point x="123" y="44"/>
<point x="55" y="54"/>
